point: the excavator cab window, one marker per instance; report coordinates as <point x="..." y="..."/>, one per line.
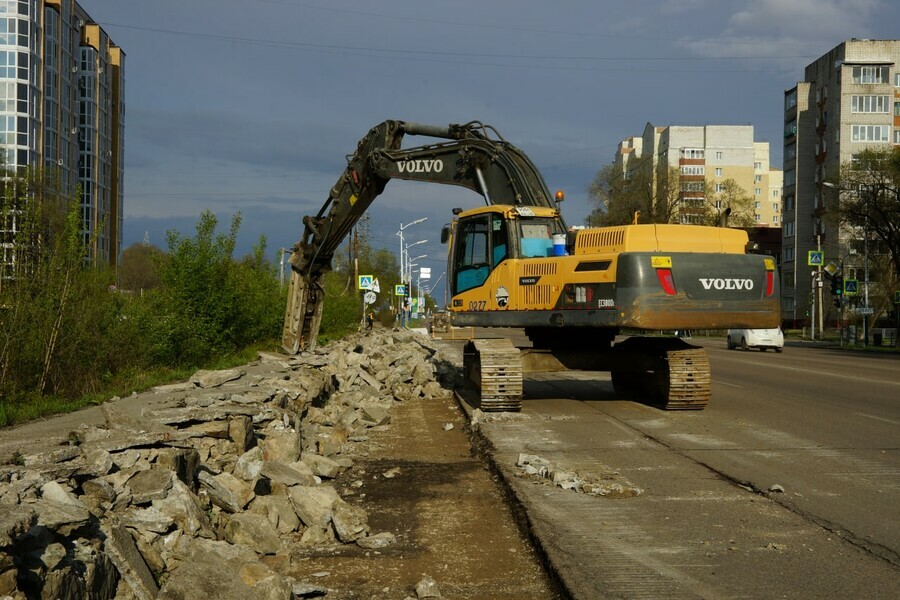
<point x="472" y="264"/>
<point x="536" y="236"/>
<point x="482" y="243"/>
<point x="499" y="240"/>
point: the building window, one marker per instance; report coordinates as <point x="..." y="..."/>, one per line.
<point x="869" y="133"/>
<point x="718" y="204"/>
<point x="757" y="178"/>
<point x="790" y="151"/>
<point x="718" y="155"/>
<point x="692" y="152"/>
<point x="897" y="79"/>
<point x="720" y="187"/>
<point x="757" y="218"/>
<point x="775" y="206"/>
<point x="789" y="229"/>
<point x="774" y="218"/>
<point x="897" y="109"/>
<point x="869" y="74"/>
<point x="870" y="104"/>
<point x="790" y="177"/>
<point x="790" y="128"/>
<point x="757" y="165"/>
<point x="897" y="136"/>
<point x="718" y="171"/>
<point x="790" y="99"/>
<point x="757" y="191"/>
<point x="693" y="170"/>
<point x="776" y="193"/>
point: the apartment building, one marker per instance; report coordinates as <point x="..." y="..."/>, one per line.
<point x="62" y="111"/>
<point x="705" y="154"/>
<point x="849" y="100"/>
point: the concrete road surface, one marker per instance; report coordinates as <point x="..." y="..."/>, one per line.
<point x="821" y="426"/>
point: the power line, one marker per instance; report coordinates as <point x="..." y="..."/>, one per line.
<point x="386" y="52"/>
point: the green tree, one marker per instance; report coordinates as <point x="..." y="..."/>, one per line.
<point x="730" y="196"/>
<point x="869" y="188"/>
<point x="138" y="272"/>
<point x="58" y="319"/>
<point x="209" y="304"/>
<point x="619" y="197"/>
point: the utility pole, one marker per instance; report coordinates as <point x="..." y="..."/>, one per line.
<point x="819" y="296"/>
<point x="812" y="313"/>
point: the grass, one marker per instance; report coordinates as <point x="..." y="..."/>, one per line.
<point x="35" y="406"/>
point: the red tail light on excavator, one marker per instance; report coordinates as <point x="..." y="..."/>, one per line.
<point x="770" y="277"/>
<point x="666" y="281"/>
<point x="663" y="266"/>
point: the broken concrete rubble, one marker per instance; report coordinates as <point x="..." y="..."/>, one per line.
<point x="204" y="493"/>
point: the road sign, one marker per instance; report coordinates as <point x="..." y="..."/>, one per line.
<point x="376" y="287"/>
<point x="425" y="273"/>
<point x="865" y="310"/>
<point x="399" y="290"/>
<point x="369" y="298"/>
<point x="365" y="282"/>
<point x="815" y="258"/>
<point x="831" y="268"/>
<point x="851" y="287"/>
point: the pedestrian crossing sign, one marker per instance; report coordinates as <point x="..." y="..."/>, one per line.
<point x="815" y="258"/>
<point x="365" y="282"/>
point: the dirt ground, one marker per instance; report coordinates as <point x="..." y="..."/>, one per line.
<point x="445" y="507"/>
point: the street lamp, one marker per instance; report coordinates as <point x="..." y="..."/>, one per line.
<point x="411" y="262"/>
<point x="402" y="247"/>
<point x="402" y="250"/>
<point x="408" y="271"/>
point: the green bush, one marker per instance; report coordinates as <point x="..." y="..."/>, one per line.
<point x="67" y="335"/>
<point x="342" y="312"/>
<point x="209" y="304"/>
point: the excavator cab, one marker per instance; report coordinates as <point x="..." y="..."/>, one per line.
<point x="482" y="238"/>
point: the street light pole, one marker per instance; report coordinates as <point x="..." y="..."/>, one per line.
<point x="866" y="271"/>
<point x="402" y="250"/>
<point x="819" y="291"/>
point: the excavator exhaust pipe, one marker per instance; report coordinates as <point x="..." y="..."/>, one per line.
<point x="438" y="131"/>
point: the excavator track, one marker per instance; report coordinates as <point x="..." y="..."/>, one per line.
<point x="495" y="367"/>
<point x="666" y="373"/>
<point x="688" y="385"/>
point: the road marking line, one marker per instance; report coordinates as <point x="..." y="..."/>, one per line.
<point x="808" y="371"/>
<point x="729" y="384"/>
<point x="891" y="421"/>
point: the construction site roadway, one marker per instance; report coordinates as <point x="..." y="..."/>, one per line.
<point x="619" y="511"/>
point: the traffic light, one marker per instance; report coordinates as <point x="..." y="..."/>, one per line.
<point x="837" y="285"/>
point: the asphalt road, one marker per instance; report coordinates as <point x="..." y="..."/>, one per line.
<point x="711" y="520"/>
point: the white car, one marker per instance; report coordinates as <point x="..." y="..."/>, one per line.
<point x="756" y="338"/>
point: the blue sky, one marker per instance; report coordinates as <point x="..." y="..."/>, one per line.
<point x="252" y="105"/>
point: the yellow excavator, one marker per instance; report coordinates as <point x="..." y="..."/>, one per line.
<point x="514" y="263"/>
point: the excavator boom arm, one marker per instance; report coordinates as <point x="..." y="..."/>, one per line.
<point x="471" y="158"/>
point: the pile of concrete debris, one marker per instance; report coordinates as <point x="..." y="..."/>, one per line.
<point x="203" y="494"/>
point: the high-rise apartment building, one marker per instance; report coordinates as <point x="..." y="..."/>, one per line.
<point x="849" y="100"/>
<point x="708" y="154"/>
<point x="62" y="112"/>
